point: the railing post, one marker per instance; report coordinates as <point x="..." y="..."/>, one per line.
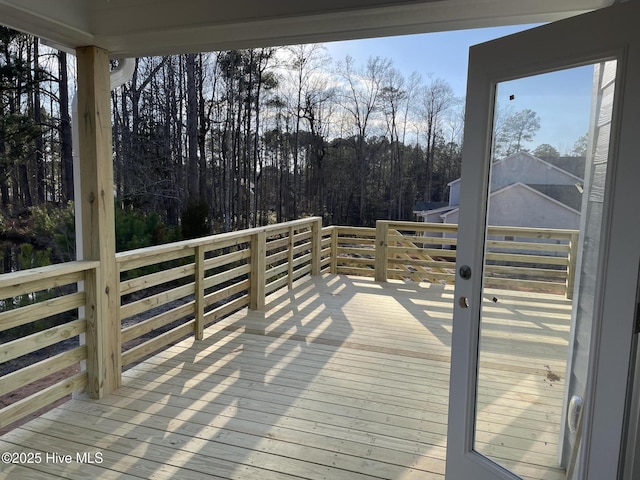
<point x="199" y="293"/>
<point x="571" y="268"/>
<point x="95" y="335"/>
<point x="291" y="233"/>
<point x="381" y="252"/>
<point x="334" y="250"/>
<point x="118" y="322"/>
<point x="258" y="267"/>
<point x="316" y="247"/>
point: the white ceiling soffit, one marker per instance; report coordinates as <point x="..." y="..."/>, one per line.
<point x="133" y="28"/>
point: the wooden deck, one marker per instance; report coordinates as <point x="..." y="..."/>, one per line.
<point x="339" y="378"/>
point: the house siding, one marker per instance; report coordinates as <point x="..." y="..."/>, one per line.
<point x="507" y="206"/>
<point x="454" y="193"/>
<point x="593" y="207"/>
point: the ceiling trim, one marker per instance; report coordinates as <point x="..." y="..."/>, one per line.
<point x="74" y="27"/>
<point x="46" y="20"/>
<point x="376" y="22"/>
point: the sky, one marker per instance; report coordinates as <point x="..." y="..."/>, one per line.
<point x="562" y="99"/>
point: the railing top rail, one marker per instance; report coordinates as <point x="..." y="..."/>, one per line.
<point x="525" y="231"/>
<point x="419" y="226"/>
<point x="197" y="242"/>
<point x="343" y="228"/>
<point x="533" y="231"/>
<point x="402" y="224"/>
<point x="50" y="271"/>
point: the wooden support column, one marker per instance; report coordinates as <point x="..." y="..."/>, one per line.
<point x="97" y="206"/>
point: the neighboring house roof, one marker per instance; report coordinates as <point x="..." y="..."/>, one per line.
<point x="453" y="181"/>
<point x="450" y="212"/>
<point x="563" y="174"/>
<point x="573" y="165"/>
<point x="531" y="189"/>
<point x="422" y="206"/>
<point x="424" y="213"/>
<point x="523" y="156"/>
<point x="568" y="195"/>
<point x="526" y="187"/>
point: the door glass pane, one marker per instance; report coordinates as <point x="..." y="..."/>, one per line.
<point x="547" y="183"/>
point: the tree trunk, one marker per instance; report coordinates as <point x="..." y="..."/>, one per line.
<point x="203" y="123"/>
<point x="66" y="149"/>
<point x="37" y="118"/>
<point x="193" y="183"/>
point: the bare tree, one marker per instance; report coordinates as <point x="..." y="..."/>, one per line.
<point x="395" y="100"/>
<point x="303" y="62"/>
<point x="437" y="98"/>
<point x="361" y="95"/>
<point x="319" y="103"/>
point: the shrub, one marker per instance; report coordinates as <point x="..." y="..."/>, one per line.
<point x="135" y="229"/>
<point x="195" y="220"/>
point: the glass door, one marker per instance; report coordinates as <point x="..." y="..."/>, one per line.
<point x="542" y="206"/>
<point x="535" y="288"/>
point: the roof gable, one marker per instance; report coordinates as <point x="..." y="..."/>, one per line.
<point x="520" y="160"/>
<point x="568" y="195"/>
<point x="526" y="188"/>
<point x="573" y="165"/>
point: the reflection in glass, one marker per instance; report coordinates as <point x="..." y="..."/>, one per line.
<point x="543" y="227"/>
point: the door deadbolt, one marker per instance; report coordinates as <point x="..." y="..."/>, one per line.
<point x="465" y="272"/>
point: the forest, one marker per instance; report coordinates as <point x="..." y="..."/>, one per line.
<point x="208" y="143"/>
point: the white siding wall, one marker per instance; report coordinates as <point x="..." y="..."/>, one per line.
<point x="452" y="217"/>
<point x="595" y="175"/>
<point x="519" y="206"/>
<point x="454" y="193"/>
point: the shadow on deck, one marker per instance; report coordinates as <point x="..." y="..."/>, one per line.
<point x="340" y="377"/>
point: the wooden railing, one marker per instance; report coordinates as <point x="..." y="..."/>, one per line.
<point x="516" y="257"/>
<point x="172" y="291"/>
<point x="165" y="293"/>
<point x="41" y="321"/>
<point x="354" y="251"/>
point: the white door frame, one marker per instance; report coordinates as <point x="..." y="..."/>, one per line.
<point x="608" y="33"/>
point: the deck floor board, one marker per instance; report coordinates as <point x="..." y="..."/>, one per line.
<point x="340" y="378"/>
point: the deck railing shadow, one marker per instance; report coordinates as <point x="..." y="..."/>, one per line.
<point x="227" y="380"/>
